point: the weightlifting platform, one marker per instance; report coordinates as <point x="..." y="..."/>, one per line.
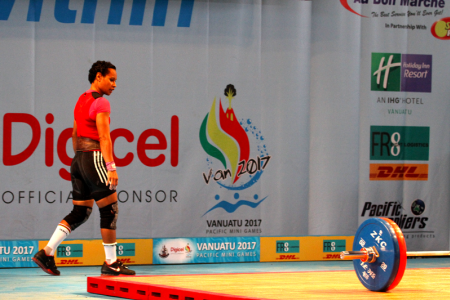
<point x="416" y="284"/>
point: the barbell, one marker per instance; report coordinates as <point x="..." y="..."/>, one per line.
<point x="381" y="261"/>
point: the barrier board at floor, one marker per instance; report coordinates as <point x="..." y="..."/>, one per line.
<point x="91" y="253"/>
<point x="181" y="250"/>
<point x="306" y="248"/>
<point x="17" y="254"/>
<point x="206" y="250"/>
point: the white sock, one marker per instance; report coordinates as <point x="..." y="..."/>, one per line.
<point x="110" y="252"/>
<point x="58" y="236"/>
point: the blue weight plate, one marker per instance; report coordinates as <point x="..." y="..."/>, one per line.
<point x="379" y="275"/>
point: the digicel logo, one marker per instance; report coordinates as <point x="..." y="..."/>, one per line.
<point x="176" y="250"/>
<point x="441" y="29"/>
<point x="10" y="159"/>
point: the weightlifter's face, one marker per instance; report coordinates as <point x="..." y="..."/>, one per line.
<point x="106" y="84"/>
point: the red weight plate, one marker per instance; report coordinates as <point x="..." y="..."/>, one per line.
<point x="402" y="249"/>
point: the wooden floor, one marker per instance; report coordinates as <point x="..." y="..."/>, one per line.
<point x="329" y="279"/>
<point x="416" y="284"/>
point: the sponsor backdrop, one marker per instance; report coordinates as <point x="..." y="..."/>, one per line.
<point x="181" y="250"/>
<point x="232" y="120"/>
<point x="379" y="125"/>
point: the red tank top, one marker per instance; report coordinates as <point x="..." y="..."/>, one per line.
<point x="86" y="111"/>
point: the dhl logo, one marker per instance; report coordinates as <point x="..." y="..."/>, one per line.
<point x="126" y="260"/>
<point x="70" y="262"/>
<point x="287" y="257"/>
<point x="399" y="172"/>
<point x="332" y="256"/>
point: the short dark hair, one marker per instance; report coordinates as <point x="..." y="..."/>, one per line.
<point x="100" y="66"/>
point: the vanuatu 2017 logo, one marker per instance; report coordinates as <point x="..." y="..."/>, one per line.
<point x="237" y="153"/>
<point x="397" y="72"/>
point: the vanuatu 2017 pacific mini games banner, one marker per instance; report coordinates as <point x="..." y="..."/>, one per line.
<point x="244" y="118"/>
<point x="206" y="250"/>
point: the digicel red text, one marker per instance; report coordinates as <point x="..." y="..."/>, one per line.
<point x="10" y="159"/>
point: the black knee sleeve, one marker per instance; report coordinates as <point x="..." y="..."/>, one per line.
<point x="109" y="215"/>
<point x="78" y="216"/>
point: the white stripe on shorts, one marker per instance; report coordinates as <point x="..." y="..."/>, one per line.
<point x="98" y="162"/>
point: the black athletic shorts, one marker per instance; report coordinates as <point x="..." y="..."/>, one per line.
<point x="89" y="174"/>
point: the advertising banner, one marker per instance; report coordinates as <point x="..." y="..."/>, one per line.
<point x="17" y="254"/>
<point x="379" y="118"/>
<point x="203" y="142"/>
<point x="91" y="252"/>
<point x="304" y="248"/>
<point x="402" y="161"/>
<point x="206" y="250"/>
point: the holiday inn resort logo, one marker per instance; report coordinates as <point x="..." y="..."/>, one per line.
<point x="237" y="154"/>
<point x="395" y="72"/>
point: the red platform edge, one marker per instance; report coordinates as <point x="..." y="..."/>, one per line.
<point x="128" y="289"/>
